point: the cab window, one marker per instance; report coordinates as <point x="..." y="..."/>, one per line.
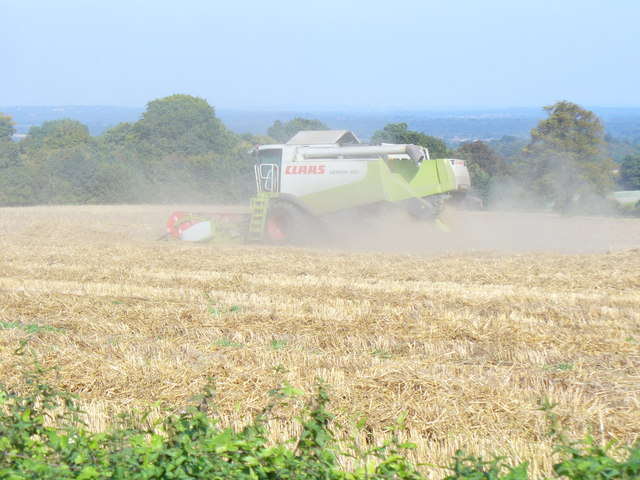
<point x="271" y="156"/>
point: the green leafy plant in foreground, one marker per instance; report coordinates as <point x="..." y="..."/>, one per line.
<point x="43" y="435"/>
<point x="585" y="460"/>
<point x="469" y="467"/>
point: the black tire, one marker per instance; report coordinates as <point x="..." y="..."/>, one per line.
<point x="286" y="224"/>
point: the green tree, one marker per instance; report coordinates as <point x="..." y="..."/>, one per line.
<point x="485" y="167"/>
<point x="48" y="170"/>
<point x="120" y="136"/>
<point x="486" y="158"/>
<point x="117" y="182"/>
<point x="179" y="124"/>
<point x="8" y="148"/>
<point x="56" y="134"/>
<point x="566" y="157"/>
<point x="181" y="148"/>
<point x="6" y="127"/>
<point x="508" y="146"/>
<point x="619" y="149"/>
<point x="282" y="132"/>
<point x="16" y="186"/>
<point x="399" y="133"/>
<point x="630" y="172"/>
<point x="63" y="175"/>
<point x="254" y="140"/>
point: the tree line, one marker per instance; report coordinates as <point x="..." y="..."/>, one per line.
<point x="179" y="151"/>
<point x="566" y="165"/>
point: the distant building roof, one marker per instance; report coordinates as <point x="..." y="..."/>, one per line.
<point x="320" y="137"/>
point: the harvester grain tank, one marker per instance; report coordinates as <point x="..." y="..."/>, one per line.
<point x="319" y="178"/>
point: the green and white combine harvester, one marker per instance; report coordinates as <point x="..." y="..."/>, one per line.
<point x="321" y="179"/>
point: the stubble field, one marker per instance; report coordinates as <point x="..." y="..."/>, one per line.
<point x="466" y="332"/>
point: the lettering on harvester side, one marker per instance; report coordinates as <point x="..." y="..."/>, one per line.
<point x="304" y="169"/>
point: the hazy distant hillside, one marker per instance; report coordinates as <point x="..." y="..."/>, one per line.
<point x="448" y="125"/>
<point x="622" y="123"/>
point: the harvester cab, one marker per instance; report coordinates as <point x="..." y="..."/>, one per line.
<point x="316" y="178"/>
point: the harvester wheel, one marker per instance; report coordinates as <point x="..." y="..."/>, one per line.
<point x="285" y="224"/>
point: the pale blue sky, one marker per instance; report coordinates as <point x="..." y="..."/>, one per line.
<point x="328" y="54"/>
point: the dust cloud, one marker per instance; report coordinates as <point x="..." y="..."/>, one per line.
<point x="516" y="232"/>
<point x="463" y="231"/>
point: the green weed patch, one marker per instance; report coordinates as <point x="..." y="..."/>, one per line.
<point x="29" y="327"/>
<point x="43" y="435"/>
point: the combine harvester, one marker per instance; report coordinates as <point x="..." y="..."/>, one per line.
<point x="320" y="179"/>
